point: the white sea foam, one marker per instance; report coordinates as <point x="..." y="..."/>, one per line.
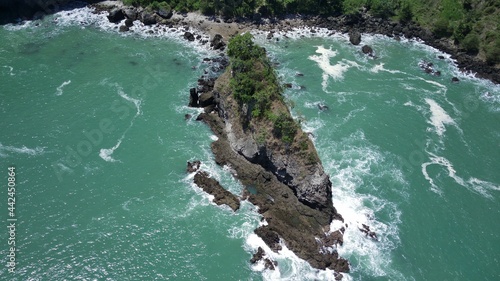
<point x="439" y="118"/>
<point x="380" y="67"/>
<point x="473" y="184"/>
<point x="5" y="151"/>
<point x="59" y="90"/>
<point x="359" y="165"/>
<point x="88" y="17"/>
<point x="336" y="71"/>
<point x="11" y="69"/>
<point x="106" y="153"/>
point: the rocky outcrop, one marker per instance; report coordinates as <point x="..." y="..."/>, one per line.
<point x="217" y="42"/>
<point x="354" y="37"/>
<point x="260" y="255"/>
<point x="288" y="184"/>
<point x="116" y="15"/>
<point x="213" y="187"/>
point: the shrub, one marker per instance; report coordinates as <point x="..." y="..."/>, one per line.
<point x="285" y="128"/>
<point x="471" y="43"/>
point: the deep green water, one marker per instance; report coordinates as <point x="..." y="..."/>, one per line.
<point x="94" y="123"/>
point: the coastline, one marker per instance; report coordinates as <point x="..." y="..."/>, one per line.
<point x="364" y="24"/>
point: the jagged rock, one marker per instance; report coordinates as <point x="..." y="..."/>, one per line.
<point x="354" y="37"/>
<point x="322" y="107"/>
<point x="189" y="36"/>
<point x="116" y="15"/>
<point x="130" y="13"/>
<point x="288" y="85"/>
<point x="193" y="98"/>
<point x="217" y="43"/>
<point x="124" y="28"/>
<point x="367" y="50"/>
<point x="129" y="23"/>
<point x="206" y="99"/>
<point x="455" y="80"/>
<point x="193" y="166"/>
<point x="213" y="187"/>
<point x="148" y="18"/>
<point x="270" y="35"/>
<point x="258" y="255"/>
<point x="270" y="237"/>
<point x="334" y="238"/>
<point x="165" y="13"/>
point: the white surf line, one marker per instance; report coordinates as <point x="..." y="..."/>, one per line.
<point x="59" y="90"/>
<point x="106" y="153"/>
<point x="473" y="184"/>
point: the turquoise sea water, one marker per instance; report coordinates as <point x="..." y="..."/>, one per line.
<point x="94" y="123"/>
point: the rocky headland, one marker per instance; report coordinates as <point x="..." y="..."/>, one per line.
<point x="275" y="161"/>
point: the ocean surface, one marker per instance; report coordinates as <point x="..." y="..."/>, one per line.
<point x="93" y="121"/>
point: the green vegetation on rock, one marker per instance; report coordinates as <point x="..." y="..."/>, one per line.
<point x="253" y="80"/>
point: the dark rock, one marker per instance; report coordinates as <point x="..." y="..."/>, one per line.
<point x="455" y="80"/>
<point x="257" y="256"/>
<point x="193" y="166"/>
<point x="270" y="35"/>
<point x="298" y="74"/>
<point x="187" y="116"/>
<point x="130" y="13"/>
<point x="367" y="50"/>
<point x="354" y="37"/>
<point x="189" y="36"/>
<point x="148" y="18"/>
<point x="441" y="57"/>
<point x="322" y="107"/>
<point x="338" y="276"/>
<point x="193" y="97"/>
<point x="334" y="238"/>
<point x="206" y="99"/>
<point x="209" y="108"/>
<point x="288" y="85"/>
<point x="116" y="15"/>
<point x="217" y="43"/>
<point x="165" y="13"/>
<point x="270" y="237"/>
<point x="129" y="22"/>
<point x="124" y="28"/>
<point x="213" y="187"/>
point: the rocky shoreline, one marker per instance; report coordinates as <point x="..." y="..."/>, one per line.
<point x="358" y="23"/>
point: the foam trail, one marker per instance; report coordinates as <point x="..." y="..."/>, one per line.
<point x="380" y="67"/>
<point x="439" y="117"/>
<point x="20" y="150"/>
<point x="106" y="153"/>
<point x="473" y="184"/>
<point x="59" y="90"/>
